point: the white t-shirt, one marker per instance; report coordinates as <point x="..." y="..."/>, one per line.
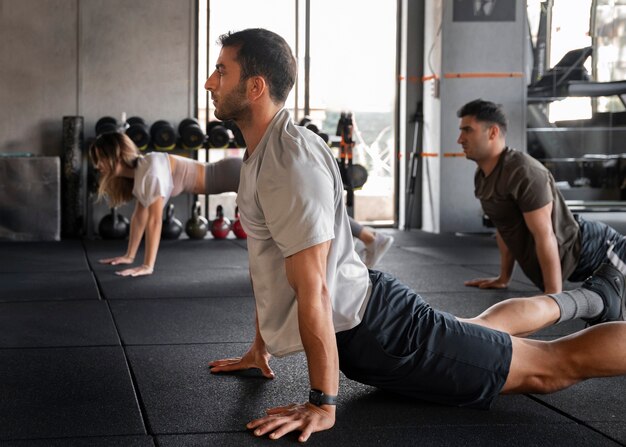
<point x="153" y="178"/>
<point x="291" y="198"/>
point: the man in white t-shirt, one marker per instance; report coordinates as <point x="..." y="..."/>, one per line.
<point x="313" y="293"/>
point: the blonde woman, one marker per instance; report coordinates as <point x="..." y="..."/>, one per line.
<point x="151" y="179"/>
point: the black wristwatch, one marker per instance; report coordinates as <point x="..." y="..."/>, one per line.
<point x="317" y="398"/>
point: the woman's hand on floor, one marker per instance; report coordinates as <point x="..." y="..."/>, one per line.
<point x="118" y="260"/>
<point x="142" y="270"/>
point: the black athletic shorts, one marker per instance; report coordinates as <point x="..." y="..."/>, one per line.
<point x="406" y="347"/>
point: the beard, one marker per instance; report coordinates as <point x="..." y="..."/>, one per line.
<point x="233" y="105"/>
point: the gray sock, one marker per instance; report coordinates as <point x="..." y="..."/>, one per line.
<point x="578" y="303"/>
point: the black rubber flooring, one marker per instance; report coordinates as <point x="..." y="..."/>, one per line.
<point x="88" y="358"/>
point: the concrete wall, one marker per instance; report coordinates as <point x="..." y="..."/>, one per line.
<point x="91" y="58"/>
<point x="484" y="49"/>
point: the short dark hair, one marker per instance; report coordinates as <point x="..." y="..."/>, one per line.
<point x="263" y="53"/>
<point x="485" y="111"/>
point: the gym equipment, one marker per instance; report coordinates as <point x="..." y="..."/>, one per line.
<point x="73" y="193"/>
<point x="414" y="168"/>
<point x="353" y="175"/>
<point x="172" y="227"/>
<point x="356" y="173"/>
<point x="137" y="130"/>
<point x="237" y="135"/>
<point x="237" y="228"/>
<point x="197" y="226"/>
<point x="114" y="226"/>
<point x="191" y="134"/>
<point x="220" y="227"/>
<point x="163" y="135"/>
<point x="308" y="123"/>
<point x="218" y="134"/>
<point x="106" y="124"/>
<point x="344" y="129"/>
<point x="305" y="121"/>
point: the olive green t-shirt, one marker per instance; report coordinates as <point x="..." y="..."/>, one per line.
<point x="520" y="184"/>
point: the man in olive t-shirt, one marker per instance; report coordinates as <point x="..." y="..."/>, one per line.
<point x="534" y="225"/>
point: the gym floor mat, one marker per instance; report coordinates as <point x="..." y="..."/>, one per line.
<point x="195" y="283"/>
<point x="65" y="256"/>
<point x="185" y="320"/>
<point x="442" y="278"/>
<point x="56" y="323"/>
<point x="557" y="435"/>
<point x="66" y="392"/>
<point x="178" y="255"/>
<point x="61" y="384"/>
<point x="105" y="441"/>
<point x="460" y="255"/>
<point x="604" y="403"/>
<point x="34" y="286"/>
<point x="179" y="393"/>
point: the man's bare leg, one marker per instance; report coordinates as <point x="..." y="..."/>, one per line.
<point x="519" y="316"/>
<point x="548" y="366"/>
<point x="601" y="298"/>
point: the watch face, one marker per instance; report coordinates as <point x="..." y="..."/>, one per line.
<point x="315" y="397"/>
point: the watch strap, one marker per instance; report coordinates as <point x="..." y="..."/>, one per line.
<point x="317" y="398"/>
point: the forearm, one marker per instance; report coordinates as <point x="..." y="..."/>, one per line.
<point x="320" y="345"/>
<point x="548" y="256"/>
<point x="507" y="261"/>
<point x="153" y="238"/>
<point x="137" y="228"/>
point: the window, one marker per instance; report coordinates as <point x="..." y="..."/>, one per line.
<point x="352" y="68"/>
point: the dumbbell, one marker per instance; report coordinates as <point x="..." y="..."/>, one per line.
<point x="163" y="135"/>
<point x="218" y="134"/>
<point x="306" y="122"/>
<point x="138" y="131"/>
<point x="106" y="124"/>
<point x="238" y="136"/>
<point x="191" y="134"/>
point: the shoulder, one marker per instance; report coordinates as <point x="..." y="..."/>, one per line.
<point x="291" y="146"/>
<point x="515" y="157"/>
<point x="156" y="157"/>
<point x="519" y="164"/>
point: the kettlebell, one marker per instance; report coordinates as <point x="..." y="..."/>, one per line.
<point x="220" y="227"/>
<point x="172" y="227"/>
<point x="197" y="226"/>
<point x="237" y="228"/>
<point x="113" y="226"/>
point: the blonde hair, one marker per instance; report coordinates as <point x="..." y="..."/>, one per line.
<point x="109" y="148"/>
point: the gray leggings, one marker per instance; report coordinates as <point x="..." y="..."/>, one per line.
<point x="355" y="227"/>
<point x="223" y="176"/>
